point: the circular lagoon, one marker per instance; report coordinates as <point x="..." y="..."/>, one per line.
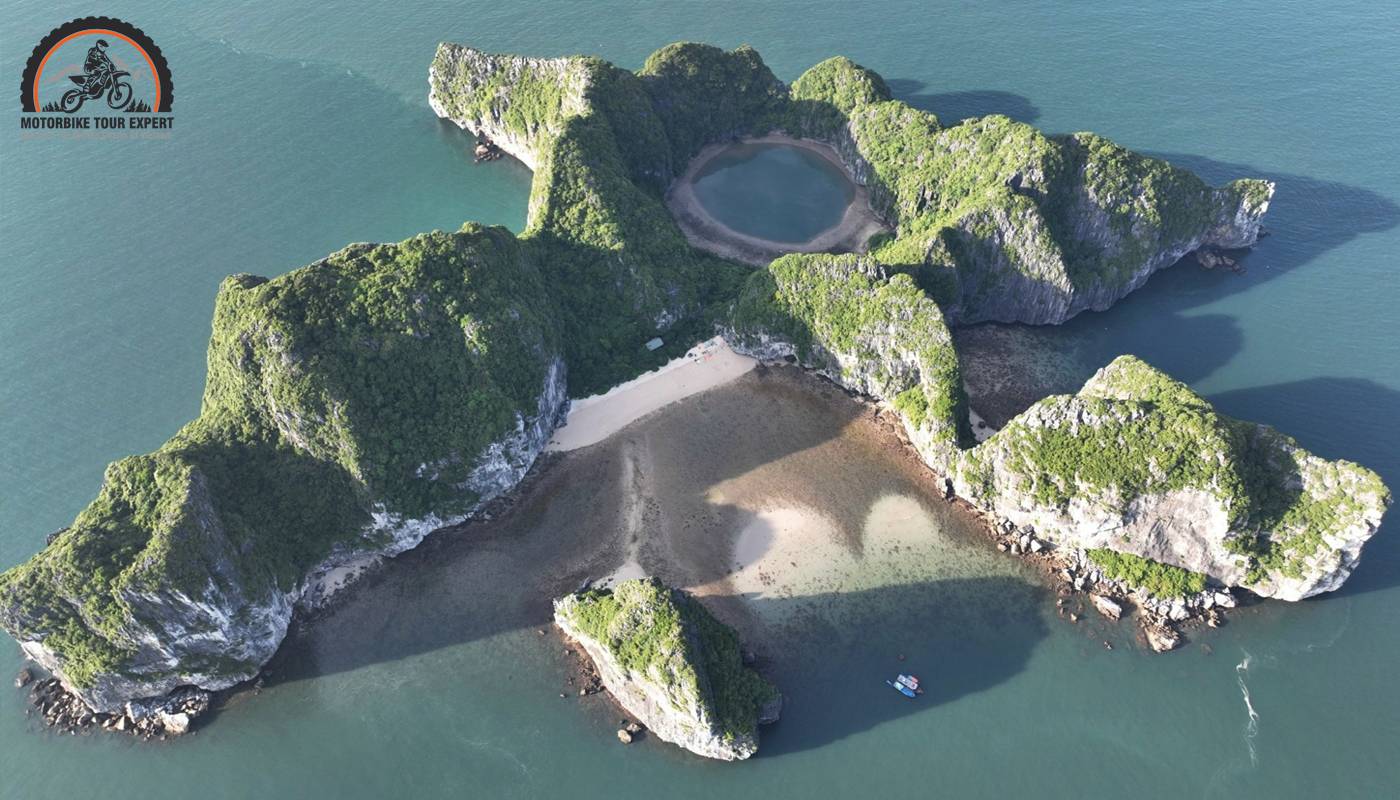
<point x="774" y="191"/>
<point x="756" y="200"/>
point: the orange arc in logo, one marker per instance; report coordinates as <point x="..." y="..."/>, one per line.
<point x="155" y="77"/>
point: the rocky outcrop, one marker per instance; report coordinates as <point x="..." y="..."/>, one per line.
<point x="356" y="404"/>
<point x="352" y="407"/>
<point x="1137" y="463"/>
<point x="516" y="103"/>
<point x="671" y="665"/>
<point x="1107" y="606"/>
<point x="875" y="334"/>
<point x="1003" y="223"/>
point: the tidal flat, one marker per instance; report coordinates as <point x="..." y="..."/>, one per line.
<point x="792" y="509"/>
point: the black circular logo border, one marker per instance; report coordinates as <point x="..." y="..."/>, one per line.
<point x="26" y="84"/>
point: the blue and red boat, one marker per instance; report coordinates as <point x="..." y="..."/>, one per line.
<point x="907" y="685"/>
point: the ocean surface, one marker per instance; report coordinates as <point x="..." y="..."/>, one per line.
<point x="301" y="128"/>
<point x="774" y="192"/>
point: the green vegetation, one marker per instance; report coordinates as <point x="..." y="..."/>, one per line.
<point x="1158" y="579"/>
<point x="703" y="95"/>
<point x="1132" y="431"/>
<point x="824" y="96"/>
<point x="880" y="333"/>
<point x="531" y="97"/>
<point x="994" y="204"/>
<point x="1301" y="501"/>
<point x="365" y="387"/>
<point x="329" y="389"/>
<point x="669" y="638"/>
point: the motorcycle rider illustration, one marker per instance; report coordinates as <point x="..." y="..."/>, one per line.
<point x="101" y="76"/>
<point x="99" y="66"/>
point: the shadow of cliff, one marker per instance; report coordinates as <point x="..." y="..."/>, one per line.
<point x="569" y="523"/>
<point x="1008" y="367"/>
<point x="954" y="107"/>
<point x="1308" y="218"/>
<point x="671" y="472"/>
<point x="960" y="636"/>
<point x="1351" y="418"/>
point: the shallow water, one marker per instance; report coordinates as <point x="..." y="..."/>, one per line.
<point x="773" y="191"/>
<point x="303" y="128"/>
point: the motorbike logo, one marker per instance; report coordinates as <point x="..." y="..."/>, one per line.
<point x="97" y="62"/>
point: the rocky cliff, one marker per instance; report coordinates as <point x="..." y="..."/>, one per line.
<point x="849" y="319"/>
<point x="620" y="270"/>
<point x="1001" y="222"/>
<point x="352" y="406"/>
<point x="1138" y="463"/>
<point x="672" y="665"/>
<point x="1135" y="463"/>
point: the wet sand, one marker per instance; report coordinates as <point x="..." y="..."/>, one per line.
<point x="773" y="497"/>
<point x="705" y="366"/>
<point x="702" y="230"/>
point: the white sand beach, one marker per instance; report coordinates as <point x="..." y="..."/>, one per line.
<point x="705" y="366"/>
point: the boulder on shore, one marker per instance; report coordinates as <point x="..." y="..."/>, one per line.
<point x="1161" y="637"/>
<point x="1107" y="606"/>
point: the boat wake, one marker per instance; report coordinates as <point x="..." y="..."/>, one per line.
<point x="1251" y="728"/>
<point x="1336" y="634"/>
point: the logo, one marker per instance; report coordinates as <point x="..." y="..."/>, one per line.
<point x="96" y="73"/>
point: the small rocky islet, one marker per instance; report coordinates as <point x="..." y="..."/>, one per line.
<point x="357" y="404"/>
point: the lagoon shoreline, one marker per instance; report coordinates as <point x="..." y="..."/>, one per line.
<point x="701" y="229"/>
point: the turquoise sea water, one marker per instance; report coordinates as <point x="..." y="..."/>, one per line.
<point x="301" y="128"/>
<point x="774" y="192"/>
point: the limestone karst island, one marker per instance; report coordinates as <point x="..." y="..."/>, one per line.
<point x="792" y="415"/>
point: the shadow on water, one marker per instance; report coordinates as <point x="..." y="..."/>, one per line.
<point x="1351" y="418"/>
<point x="960" y="636"/>
<point x="568" y="525"/>
<point x="954" y="107"/>
<point x="830" y="651"/>
<point x="1308" y="218"/>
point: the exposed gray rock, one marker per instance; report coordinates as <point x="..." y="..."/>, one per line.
<point x="460" y="77"/>
<point x="1160" y="636"/>
<point x="225" y="626"/>
<point x="1107" y="606"/>
<point x="1183" y="492"/>
<point x="674" y="694"/>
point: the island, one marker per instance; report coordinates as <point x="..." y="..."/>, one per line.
<point x="672" y="665"/>
<point x="357" y="404"/>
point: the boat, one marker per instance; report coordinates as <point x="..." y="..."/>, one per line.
<point x="902" y="689"/>
<point x="910" y="681"/>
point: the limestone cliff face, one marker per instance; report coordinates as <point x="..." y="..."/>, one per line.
<point x="1137" y="463"/>
<point x="876" y="334"/>
<point x="673" y="666"/>
<point x="351" y="409"/>
<point x="1004" y="223"/>
<point x="516" y="102"/>
<point x="604" y="143"/>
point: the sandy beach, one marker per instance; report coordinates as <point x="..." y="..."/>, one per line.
<point x="593" y="419"/>
<point x="707" y="233"/>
